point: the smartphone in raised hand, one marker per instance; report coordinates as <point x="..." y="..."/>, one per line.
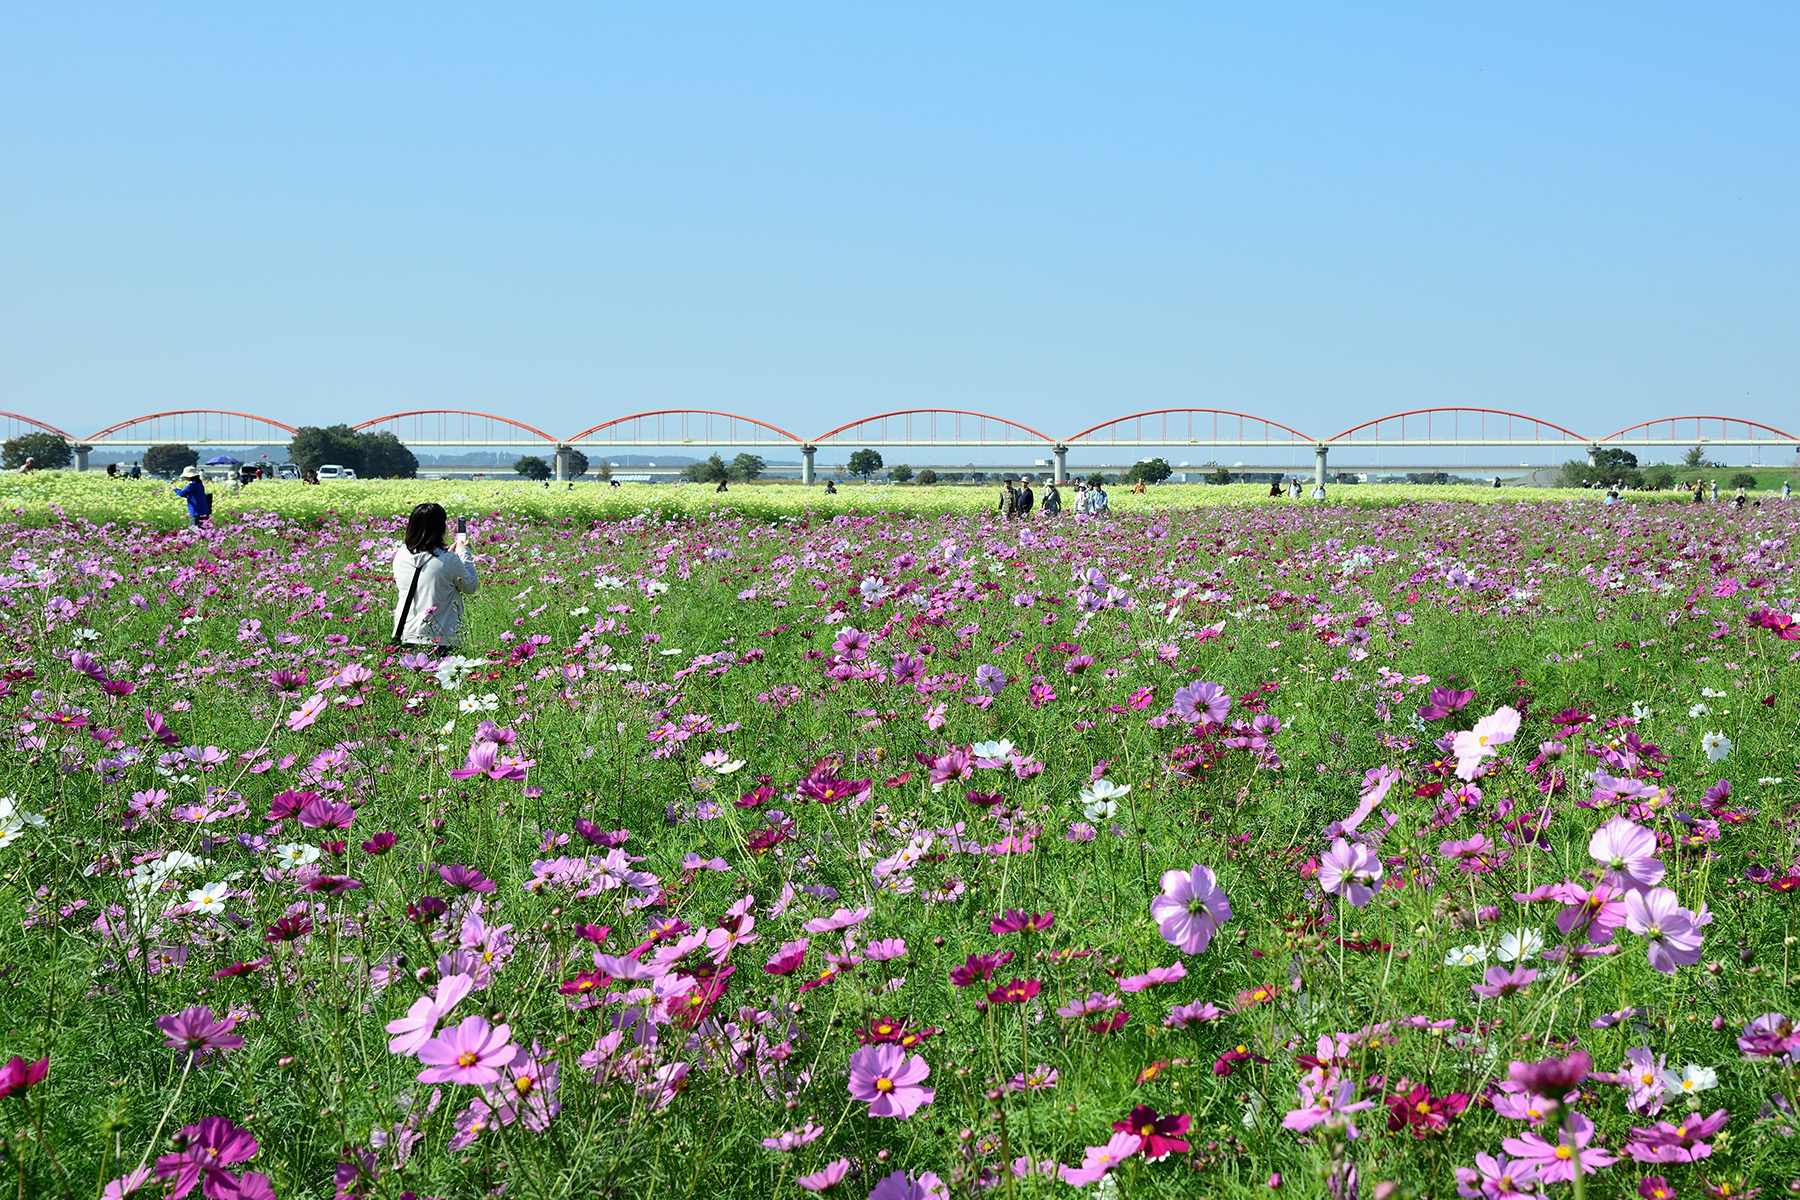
<point x="462" y="524"/>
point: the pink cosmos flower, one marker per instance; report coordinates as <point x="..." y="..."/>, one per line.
<point x="320" y="813"/>
<point x="885" y="950"/>
<point x="1191" y="909"/>
<point x="787" y="960"/>
<point x="421" y="1021"/>
<point x="888" y="1078"/>
<point x="795" y="1138"/>
<point x="1671" y="932"/>
<point x="1154" y="977"/>
<point x="1599" y="911"/>
<point x="843" y="918"/>
<point x="1676" y="1142"/>
<point x="307" y="713"/>
<point x="1629" y="851"/>
<point x="202" y="1153"/>
<point x="1494" y="1178"/>
<point x="1325" y="1102"/>
<point x="1555" y="1162"/>
<point x="1197" y="1013"/>
<point x="472" y="1052"/>
<point x="901" y="1186"/>
<point x="1350" y="872"/>
<point x="1100" y="1159"/>
<point x="196" y="1030"/>
<point x="826" y="1178"/>
<point x="1474" y="746"/>
<point x="1503" y="981"/>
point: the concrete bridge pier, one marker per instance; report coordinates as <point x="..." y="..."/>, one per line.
<point x="1320" y="450"/>
<point x="806" y="464"/>
<point x="1061" y="454"/>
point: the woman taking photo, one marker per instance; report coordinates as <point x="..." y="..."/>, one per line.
<point x="432" y="582"/>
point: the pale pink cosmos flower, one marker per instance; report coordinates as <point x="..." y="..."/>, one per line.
<point x="826" y="1177"/>
<point x="1154" y="977"/>
<point x="1191" y="908"/>
<point x="1350" y="872"/>
<point x="885" y="950"/>
<point x="901" y="1186"/>
<point x="1473" y="747"/>
<point x="889" y="1079"/>
<point x="1627" y="850"/>
<point x="421" y="1021"/>
<point x="1671" y="931"/>
<point x="472" y="1052"/>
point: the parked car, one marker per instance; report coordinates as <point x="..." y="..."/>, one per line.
<point x="288" y="472"/>
<point x="333" y="471"/>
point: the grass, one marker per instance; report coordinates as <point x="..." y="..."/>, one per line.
<point x="1329" y="626"/>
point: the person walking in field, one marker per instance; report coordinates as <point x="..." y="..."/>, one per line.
<point x="1052" y="499"/>
<point x="1009" y="501"/>
<point x="431" y="582"/>
<point x="193" y="490"/>
<point x="1027" y="501"/>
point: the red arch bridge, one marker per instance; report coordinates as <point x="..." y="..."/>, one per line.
<point x="928" y="427"/>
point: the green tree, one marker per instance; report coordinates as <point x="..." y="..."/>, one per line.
<point x="1099" y="480"/>
<point x="1577" y="474"/>
<point x="865" y="463"/>
<point x="707" y="470"/>
<point x="167" y="460"/>
<point x="1611" y="458"/>
<point x="578" y="463"/>
<point x="1660" y="478"/>
<point x="1695" y="456"/>
<point x="384" y="456"/>
<point x="928" y="477"/>
<point x="747" y="466"/>
<point x="533" y="468"/>
<point x="312" y="447"/>
<point x="47" y="451"/>
<point x="1743" y="479"/>
<point x="603" y="472"/>
<point x="901" y="473"/>
<point x="1153" y="470"/>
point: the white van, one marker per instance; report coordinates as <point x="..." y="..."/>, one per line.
<point x="332" y="471"/>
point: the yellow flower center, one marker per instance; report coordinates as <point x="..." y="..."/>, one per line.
<point x="466" y="1059"/>
<point x="1564" y="1153"/>
<point x="884" y="1086"/>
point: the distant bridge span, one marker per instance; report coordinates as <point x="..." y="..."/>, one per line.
<point x="931" y="427"/>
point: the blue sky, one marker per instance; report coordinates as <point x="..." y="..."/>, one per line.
<point x="1051" y="212"/>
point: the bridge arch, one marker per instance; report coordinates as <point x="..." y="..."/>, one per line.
<point x="1458" y="426"/>
<point x="935" y="427"/>
<point x="195" y="427"/>
<point x="16" y="423"/>
<point x="1730" y="431"/>
<point x="454" y="427"/>
<point x="678" y="427"/>
<point x="1199" y="426"/>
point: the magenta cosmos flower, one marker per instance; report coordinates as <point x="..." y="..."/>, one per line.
<point x="421" y="1021"/>
<point x="472" y="1052"/>
<point x="196" y="1030"/>
<point x="1191" y="908"/>
<point x="1350" y="872"/>
<point x="888" y="1078"/>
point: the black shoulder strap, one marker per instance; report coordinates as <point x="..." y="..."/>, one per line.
<point x="406" y="609"/>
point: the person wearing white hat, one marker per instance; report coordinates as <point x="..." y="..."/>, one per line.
<point x="193" y="490"/>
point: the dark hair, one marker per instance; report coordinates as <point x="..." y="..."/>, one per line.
<point x="425" y="527"/>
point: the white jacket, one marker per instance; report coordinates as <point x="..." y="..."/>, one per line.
<point x="437" y="608"/>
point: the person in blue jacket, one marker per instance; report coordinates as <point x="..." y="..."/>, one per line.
<point x="193" y="490"/>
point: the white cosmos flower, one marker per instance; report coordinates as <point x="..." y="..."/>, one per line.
<point x="209" y="900"/>
<point x="671" y="652"/>
<point x="1104" y="789"/>
<point x="583" y="611"/>
<point x="297" y="854"/>
<point x="1691" y="1078"/>
<point x="1101" y="810"/>
<point x="609" y="583"/>
<point x="655" y="587"/>
<point x="1710" y="693"/>
<point x="1642" y="712"/>
<point x="735" y="764"/>
<point x="10" y="814"/>
<point x="10" y="833"/>
<point x="1698" y="710"/>
<point x="1519" y="944"/>
<point x="1000" y="749"/>
<point x="1466" y="956"/>
<point x="1716" y="745"/>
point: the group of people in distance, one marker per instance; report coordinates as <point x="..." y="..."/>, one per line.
<point x="1018" y="500"/>
<point x="1293" y="488"/>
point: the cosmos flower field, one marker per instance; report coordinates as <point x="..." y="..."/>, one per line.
<point x="1421" y="849"/>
